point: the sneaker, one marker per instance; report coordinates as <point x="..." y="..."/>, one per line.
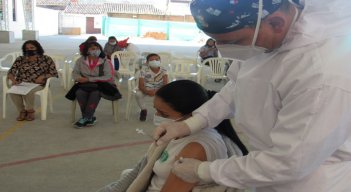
<point x="91" y="121"/>
<point x="82" y="122"/>
<point x="143" y="114"/>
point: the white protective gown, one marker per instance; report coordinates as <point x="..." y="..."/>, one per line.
<point x="294" y="104"/>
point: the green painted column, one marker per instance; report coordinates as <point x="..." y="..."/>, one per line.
<point x="103" y="27"/>
<point x="168" y="30"/>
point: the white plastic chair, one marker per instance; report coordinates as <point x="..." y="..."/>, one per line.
<point x="132" y="89"/>
<point x="114" y="110"/>
<point x="44" y="94"/>
<point x="69" y="68"/>
<point x="216" y="70"/>
<point x="8" y="59"/>
<point x="70" y="82"/>
<point x="166" y="58"/>
<point x="61" y="68"/>
<point x="185" y="68"/>
<point x="143" y="56"/>
<point x="235" y="64"/>
<point x="127" y="60"/>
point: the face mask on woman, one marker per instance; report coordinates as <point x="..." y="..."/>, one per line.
<point x="158" y="119"/>
<point x="95" y="53"/>
<point x="112" y="42"/>
<point x="154" y="63"/>
<point x="29" y="53"/>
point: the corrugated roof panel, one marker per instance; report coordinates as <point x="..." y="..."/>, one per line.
<point x="52" y="2"/>
<point x="74" y="8"/>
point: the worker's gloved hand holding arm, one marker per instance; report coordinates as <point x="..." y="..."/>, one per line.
<point x="192" y="170"/>
<point x="168" y="131"/>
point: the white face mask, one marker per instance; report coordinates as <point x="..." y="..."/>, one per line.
<point x="240" y="52"/>
<point x="112" y="43"/>
<point x="244" y="52"/>
<point x="154" y="63"/>
<point x="95" y="53"/>
<point x="158" y="120"/>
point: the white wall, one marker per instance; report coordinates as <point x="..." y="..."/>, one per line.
<point x="75" y="21"/>
<point x="46" y="21"/>
<point x="18" y="25"/>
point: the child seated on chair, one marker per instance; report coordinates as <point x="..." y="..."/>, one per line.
<point x="151" y="78"/>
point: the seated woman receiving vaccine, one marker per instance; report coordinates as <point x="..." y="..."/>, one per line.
<point x="154" y="172"/>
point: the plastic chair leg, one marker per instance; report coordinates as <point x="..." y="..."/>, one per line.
<point x="73" y="111"/>
<point x="64" y="82"/>
<point x="115" y="110"/>
<point x="44" y="106"/>
<point x="4" y="97"/>
<point x="51" y="102"/>
<point x="128" y="106"/>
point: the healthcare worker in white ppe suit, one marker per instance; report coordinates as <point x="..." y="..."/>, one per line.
<point x="293" y="100"/>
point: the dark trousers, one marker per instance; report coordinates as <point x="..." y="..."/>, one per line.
<point x="88" y="101"/>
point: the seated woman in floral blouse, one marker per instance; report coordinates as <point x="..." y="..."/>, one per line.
<point x="32" y="67"/>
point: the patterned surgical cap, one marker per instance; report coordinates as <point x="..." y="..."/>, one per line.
<point x="221" y="16"/>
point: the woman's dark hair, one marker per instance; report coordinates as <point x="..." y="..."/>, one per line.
<point x="184" y="96"/>
<point x="151" y="55"/>
<point x="90" y="44"/>
<point x="112" y="37"/>
<point x="36" y="44"/>
<point x="91" y="39"/>
<point x="226" y="128"/>
<point x="210" y="39"/>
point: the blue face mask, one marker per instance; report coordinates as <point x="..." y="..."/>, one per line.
<point x="95" y="53"/>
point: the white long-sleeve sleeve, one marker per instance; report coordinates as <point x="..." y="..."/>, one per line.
<point x="301" y="143"/>
<point x="294" y="104"/>
<point x="296" y="114"/>
<point x="218" y="108"/>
